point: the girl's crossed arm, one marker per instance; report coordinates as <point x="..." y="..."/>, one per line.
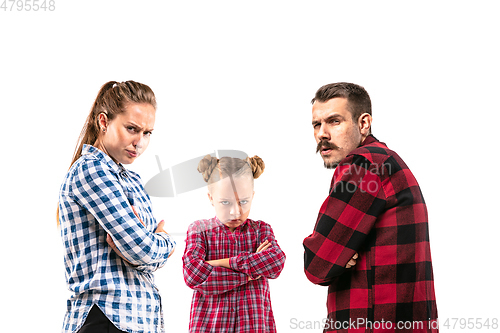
<point x="268" y="260"/>
<point x="203" y="277"/>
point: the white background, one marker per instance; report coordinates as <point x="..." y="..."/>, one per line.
<point x="240" y="75"/>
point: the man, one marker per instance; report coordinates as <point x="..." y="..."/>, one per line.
<point x="375" y="209"/>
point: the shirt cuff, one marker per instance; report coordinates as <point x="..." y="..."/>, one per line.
<point x="166" y="237"/>
<point x="233" y="263"/>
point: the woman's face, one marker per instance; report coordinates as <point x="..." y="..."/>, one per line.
<point x="232" y="204"/>
<point x="127" y="135"/>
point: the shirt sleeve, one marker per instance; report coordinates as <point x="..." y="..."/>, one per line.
<point x="345" y="219"/>
<point x="152" y="267"/>
<point x="203" y="277"/>
<point x="268" y="263"/>
<point x="98" y="190"/>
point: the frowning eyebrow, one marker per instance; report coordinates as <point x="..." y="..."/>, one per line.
<point x="331" y="117"/>
<point x="246" y="198"/>
<point x="137" y="127"/>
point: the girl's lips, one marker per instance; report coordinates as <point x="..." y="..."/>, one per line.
<point x="132" y="153"/>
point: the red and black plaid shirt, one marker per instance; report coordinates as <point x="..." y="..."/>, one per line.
<point x="224" y="300"/>
<point x="375" y="208"/>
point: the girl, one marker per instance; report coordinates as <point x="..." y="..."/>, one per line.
<point x="112" y="241"/>
<point x="229" y="258"/>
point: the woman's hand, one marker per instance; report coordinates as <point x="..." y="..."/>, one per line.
<point x="352" y="262"/>
<point x="111" y="243"/>
<point x="159" y="228"/>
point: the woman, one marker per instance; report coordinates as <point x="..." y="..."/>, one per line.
<point x="112" y="241"/>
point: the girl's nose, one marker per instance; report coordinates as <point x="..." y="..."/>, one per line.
<point x="235" y="210"/>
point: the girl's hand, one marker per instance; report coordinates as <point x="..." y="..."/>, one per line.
<point x="225" y="262"/>
<point x="352" y="262"/>
<point x="263" y="246"/>
<point x="250" y="278"/>
<point x="219" y="263"/>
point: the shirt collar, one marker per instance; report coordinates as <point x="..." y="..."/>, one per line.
<point x="369" y="139"/>
<point x="241" y="226"/>
<point x="91" y="150"/>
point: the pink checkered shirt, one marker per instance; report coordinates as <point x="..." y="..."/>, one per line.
<point x="224" y="300"/>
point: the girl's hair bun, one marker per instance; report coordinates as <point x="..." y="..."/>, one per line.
<point x="206" y="166"/>
<point x="257" y="165"/>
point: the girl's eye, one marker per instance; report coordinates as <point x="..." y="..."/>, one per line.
<point x="224" y="202"/>
<point x="243" y="202"/>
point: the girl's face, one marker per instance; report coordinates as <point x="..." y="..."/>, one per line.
<point x="232" y="203"/>
<point x="127" y="135"/>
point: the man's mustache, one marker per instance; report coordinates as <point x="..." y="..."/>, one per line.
<point x="325" y="144"/>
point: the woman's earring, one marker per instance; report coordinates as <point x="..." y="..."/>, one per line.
<point x="104" y="129"/>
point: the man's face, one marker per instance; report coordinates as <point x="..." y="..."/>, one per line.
<point x="335" y="132"/>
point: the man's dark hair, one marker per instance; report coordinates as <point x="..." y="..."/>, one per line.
<point x="357" y="97"/>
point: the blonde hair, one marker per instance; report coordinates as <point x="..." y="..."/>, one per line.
<point x="230" y="166"/>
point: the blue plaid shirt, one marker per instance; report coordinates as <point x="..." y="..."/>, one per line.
<point x="96" y="199"/>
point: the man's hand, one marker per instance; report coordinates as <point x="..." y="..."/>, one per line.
<point x="352" y="262"/>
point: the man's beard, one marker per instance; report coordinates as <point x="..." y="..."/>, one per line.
<point x="326" y="144"/>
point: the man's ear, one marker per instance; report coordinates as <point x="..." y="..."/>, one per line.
<point x="365" y="124"/>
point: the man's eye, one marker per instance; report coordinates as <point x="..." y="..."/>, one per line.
<point x="147" y="133"/>
<point x="131" y="129"/>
